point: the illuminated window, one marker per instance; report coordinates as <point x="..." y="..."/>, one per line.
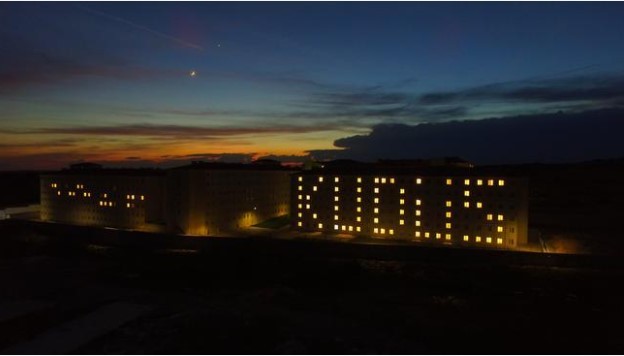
<point x="300" y="179"/>
<point x="418" y="212"/>
<point x="350" y="228"/>
<point x="490" y="182"/>
<point x="336" y="198"/>
<point x="448" y="214"/>
<point x="402" y="191"/>
<point x="336" y="179"/>
<point x="314" y="216"/>
<point x="376" y="180"/>
<point x="359" y="179"/>
<point x="110" y="203"/>
<point x="489" y="216"/>
<point x="300" y="206"/>
<point x="401" y="212"/>
<point x="383" y="180"/>
<point x="447" y="236"/>
<point x="314" y="188"/>
<point x="449" y="181"/>
<point x="401" y="222"/>
<point x="142" y="196"/>
<point x="58" y="192"/>
<point x="299" y="223"/>
<point x="376" y="220"/>
<point x="308" y="206"/>
<point x="438" y="235"/>
<point x="376" y="200"/>
<point x="479" y="205"/>
<point x="300" y="214"/>
<point x="84" y="194"/>
<point x="376" y="230"/>
<point x="100" y="203"/>
<point x="417" y="234"/>
<point x="359" y="199"/>
<point x="500" y="217"/>
<point x="501" y="182"/>
<point x="499" y="229"/>
<point x="383" y="231"/>
<point x="391" y="231"/>
<point x="344" y="228"/>
<point x="376" y="190"/>
<point x="300" y="197"/>
<point x="336" y="208"/>
<point x="376" y="210"/>
<point x="307" y="197"/>
<point x="418" y="181"/>
<point x="449" y="204"/>
<point x="479" y="181"/>
<point x="336" y="227"/>
<point x="335" y="217"/>
<point x="426" y="234"/>
<point x="320" y="225"/>
<point x="300" y="187"/>
<point x="466" y="193"/>
<point x="391" y="180"/>
<point x="418" y="202"/>
<point x="466" y="181"/>
<point x="499" y="241"/>
<point x="321" y="181"/>
<point x="478" y="239"/>
<point x="358" y="218"/>
<point x="358" y="229"/>
<point x="417" y="223"/>
<point x="359" y="189"/>
<point x="358" y="209"/>
<point x="466" y="238"/>
<point x="488" y="240"/>
<point x="336" y="189"/>
<point x="105" y="195"/>
<point x="447" y="225"/>
<point x="466" y="204"/>
<point x="402" y="201"/>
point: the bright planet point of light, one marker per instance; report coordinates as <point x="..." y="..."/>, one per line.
<point x="192" y="73"/>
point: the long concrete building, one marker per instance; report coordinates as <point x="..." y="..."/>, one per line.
<point x="198" y="199"/>
<point x="445" y="205"/>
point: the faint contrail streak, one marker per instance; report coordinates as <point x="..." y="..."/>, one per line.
<point x="140" y="27"/>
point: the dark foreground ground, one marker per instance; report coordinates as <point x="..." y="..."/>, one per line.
<point x="98" y="299"/>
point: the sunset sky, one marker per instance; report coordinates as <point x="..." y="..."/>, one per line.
<point x="113" y="83"/>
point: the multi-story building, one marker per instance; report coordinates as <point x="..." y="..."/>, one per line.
<point x="217" y="198"/>
<point x="118" y="198"/>
<point x="199" y="199"/>
<point x="452" y="205"/>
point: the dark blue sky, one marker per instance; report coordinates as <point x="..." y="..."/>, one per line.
<point x="111" y="81"/>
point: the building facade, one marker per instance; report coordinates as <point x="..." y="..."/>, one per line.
<point x="199" y="199"/>
<point x="125" y="199"/>
<point x="216" y="199"/>
<point x="457" y="206"/>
